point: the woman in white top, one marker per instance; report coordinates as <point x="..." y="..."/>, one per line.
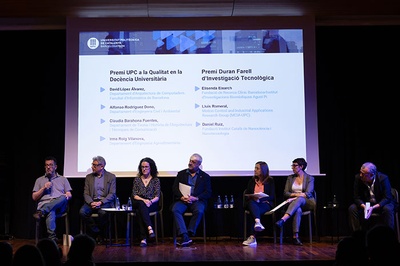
<point x="299" y="188"/>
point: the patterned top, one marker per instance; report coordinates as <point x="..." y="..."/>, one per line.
<point x="150" y="192"/>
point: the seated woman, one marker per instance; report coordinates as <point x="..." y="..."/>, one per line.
<point x="260" y="182"/>
<point x="299" y="188"/>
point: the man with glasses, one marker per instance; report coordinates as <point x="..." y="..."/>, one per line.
<point x="371" y="188"/>
<point x="52" y="192"/>
<point x="195" y="201"/>
<point x="99" y="192"/>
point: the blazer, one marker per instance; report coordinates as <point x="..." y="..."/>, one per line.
<point x="110" y="185"/>
<point x="308" y="186"/>
<point x="202" y="188"/>
<point x="382" y="190"/>
<point x="269" y="189"/>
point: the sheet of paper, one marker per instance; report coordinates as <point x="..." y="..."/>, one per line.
<point x="367" y="206"/>
<point x="257" y="195"/>
<point x="185" y="189"/>
<point x="279" y="206"/>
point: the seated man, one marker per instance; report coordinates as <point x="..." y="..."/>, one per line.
<point x="52" y="192"/>
<point x="195" y="201"/>
<point x="99" y="192"/>
<point x="373" y="187"/>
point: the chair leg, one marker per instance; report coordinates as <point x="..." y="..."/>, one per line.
<point x="156" y="227"/>
<point x="397" y="227"/>
<point x="315" y="227"/>
<point x="37" y="229"/>
<point x="115" y="228"/>
<point x="274" y="227"/>
<point x="174" y="231"/>
<point x="204" y="228"/>
<point x="162" y="227"/>
<point x="281" y="235"/>
<point x="310" y="227"/>
<point x="67" y="229"/>
<point x="244" y="226"/>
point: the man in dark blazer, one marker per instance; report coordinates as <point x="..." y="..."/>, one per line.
<point x="373" y="187"/>
<point x="99" y="192"/>
<point x="195" y="201"/>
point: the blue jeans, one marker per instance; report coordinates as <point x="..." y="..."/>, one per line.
<point x="179" y="208"/>
<point x="52" y="210"/>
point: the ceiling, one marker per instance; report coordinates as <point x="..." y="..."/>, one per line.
<point x="49" y="14"/>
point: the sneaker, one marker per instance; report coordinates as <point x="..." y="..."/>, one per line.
<point x="258" y="227"/>
<point x="143" y="243"/>
<point x="251" y="241"/>
<point x="185" y="241"/>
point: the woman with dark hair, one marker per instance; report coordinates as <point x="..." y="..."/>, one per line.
<point x="299" y="188"/>
<point x="257" y="206"/>
<point x="145" y="194"/>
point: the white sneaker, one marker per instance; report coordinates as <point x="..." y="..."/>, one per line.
<point x="251" y="241"/>
<point x="258" y="227"/>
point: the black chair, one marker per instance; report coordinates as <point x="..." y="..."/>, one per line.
<point x="157" y="215"/>
<point x="82" y="229"/>
<point x="66" y="221"/>
<point x="189" y="214"/>
<point x="312" y="215"/>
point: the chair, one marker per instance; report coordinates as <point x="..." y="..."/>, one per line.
<point x="269" y="213"/>
<point x="189" y="214"/>
<point x="66" y="221"/>
<point x="396" y="213"/>
<point x="395" y="194"/>
<point x="311" y="214"/>
<point x="157" y="215"/>
<point x="96" y="215"/>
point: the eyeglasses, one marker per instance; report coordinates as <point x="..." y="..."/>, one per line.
<point x="294" y="165"/>
<point x="145" y="167"/>
<point x="367" y="174"/>
<point x="95" y="165"/>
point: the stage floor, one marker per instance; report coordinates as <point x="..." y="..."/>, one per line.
<point x="226" y="249"/>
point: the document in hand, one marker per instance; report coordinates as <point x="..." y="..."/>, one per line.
<point x="185" y="189"/>
<point x="258" y="195"/>
<point x="280" y="205"/>
<point x="367" y="206"/>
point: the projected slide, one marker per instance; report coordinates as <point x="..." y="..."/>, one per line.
<point x="233" y="96"/>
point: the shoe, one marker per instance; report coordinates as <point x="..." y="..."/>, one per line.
<point x="55" y="239"/>
<point x="151" y="233"/>
<point x="100" y="240"/>
<point x="258" y="227"/>
<point x="297" y="242"/>
<point x="37" y="215"/>
<point x="95" y="230"/>
<point x="280" y="223"/>
<point x="185" y="241"/>
<point x="143" y="243"/>
<point x="251" y="241"/>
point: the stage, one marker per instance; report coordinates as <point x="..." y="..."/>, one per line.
<point x="224" y="250"/>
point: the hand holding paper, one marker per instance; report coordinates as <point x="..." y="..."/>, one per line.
<point x="258" y="195"/>
<point x="367" y="210"/>
<point x="185" y="189"/>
